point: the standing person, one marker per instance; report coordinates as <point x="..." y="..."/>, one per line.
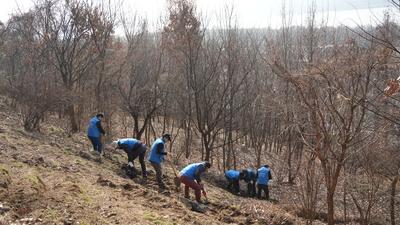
<point x="156" y="156"/>
<point x="250" y="178"/>
<point x="95" y="130"/>
<point x="233" y="177"/>
<point x="190" y="176"/>
<point x="133" y="148"/>
<point x="263" y="177"/>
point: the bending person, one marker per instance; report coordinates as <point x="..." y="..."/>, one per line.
<point x="191" y="177"/>
<point x="133" y="148"/>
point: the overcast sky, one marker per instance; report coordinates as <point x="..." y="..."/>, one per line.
<point x="249" y="13"/>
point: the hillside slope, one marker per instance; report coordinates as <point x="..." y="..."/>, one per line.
<point x="49" y="178"/>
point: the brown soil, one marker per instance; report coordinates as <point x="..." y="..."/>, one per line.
<point x="50" y="178"/>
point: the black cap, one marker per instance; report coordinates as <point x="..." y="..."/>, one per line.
<point x="207" y="164"/>
<point x="166" y="136"/>
<point x="100" y="115"/>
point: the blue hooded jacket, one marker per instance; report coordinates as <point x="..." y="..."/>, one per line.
<point x="130" y="142"/>
<point x="263" y="175"/>
<point x="251" y="175"/>
<point x="232" y="174"/>
<point x="93" y="130"/>
<point x="154" y="156"/>
<point x="193" y="171"/>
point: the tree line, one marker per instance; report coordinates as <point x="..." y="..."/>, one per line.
<point x="307" y="99"/>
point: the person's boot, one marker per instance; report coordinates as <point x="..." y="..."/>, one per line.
<point x="162" y="186"/>
<point x="144" y="174"/>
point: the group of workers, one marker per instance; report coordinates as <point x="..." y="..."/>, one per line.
<point x="190" y="175"/>
<point x="253" y="178"/>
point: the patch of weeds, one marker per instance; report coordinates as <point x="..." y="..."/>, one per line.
<point x="21" y="131"/>
<point x="78" y="162"/>
<point x="5" y="178"/>
<point x="235" y="207"/>
<point x="155" y="219"/>
<point x="36" y="181"/>
<point x="83" y="223"/>
<point x="55" y="130"/>
<point x="85" y="196"/>
<point x="50" y="214"/>
<point x="273" y="200"/>
<point x="3" y="169"/>
<point x="33" y="179"/>
<point x="19" y="164"/>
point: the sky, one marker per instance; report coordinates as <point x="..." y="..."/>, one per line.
<point x="248" y="13"/>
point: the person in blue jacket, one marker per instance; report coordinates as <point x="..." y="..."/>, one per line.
<point x="156" y="156"/>
<point x="191" y="177"/>
<point x="250" y="178"/>
<point x="133" y="148"/>
<point x="263" y="177"/>
<point x="94" y="131"/>
<point x="233" y="177"/>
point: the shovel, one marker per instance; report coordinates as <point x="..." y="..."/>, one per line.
<point x="205" y="195"/>
<point x="177" y="181"/>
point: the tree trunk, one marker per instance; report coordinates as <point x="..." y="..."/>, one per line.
<point x="329" y="201"/>
<point x="345" y="200"/>
<point x="71" y="112"/>
<point x="207" y="149"/>
<point x="228" y="158"/>
<point x="393" y="200"/>
<point x="188" y="138"/>
<point x="136" y="134"/>
<point x="258" y="156"/>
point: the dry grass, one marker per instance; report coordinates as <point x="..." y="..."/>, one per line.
<point x="50" y="178"/>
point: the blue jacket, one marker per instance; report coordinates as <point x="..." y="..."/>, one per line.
<point x="232" y="174"/>
<point x="263" y="176"/>
<point x="193" y="171"/>
<point x="131" y="143"/>
<point x="155" y="155"/>
<point x="251" y="175"/>
<point x="93" y="130"/>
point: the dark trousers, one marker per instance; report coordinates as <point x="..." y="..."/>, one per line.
<point x="263" y="187"/>
<point x="158" y="169"/>
<point x="233" y="185"/>
<point x="251" y="188"/>
<point x="97" y="146"/>
<point x="132" y="155"/>
<point x="190" y="183"/>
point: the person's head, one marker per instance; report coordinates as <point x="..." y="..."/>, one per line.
<point x="266" y="166"/>
<point x="100" y="116"/>
<point x="166" y="137"/>
<point x="207" y="165"/>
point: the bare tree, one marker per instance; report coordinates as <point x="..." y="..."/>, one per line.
<point x="71" y="29"/>
<point x="30" y="78"/>
<point x="334" y="94"/>
<point x="182" y="37"/>
<point x="138" y="79"/>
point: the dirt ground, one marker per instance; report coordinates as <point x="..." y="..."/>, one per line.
<point x="50" y="178"/>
